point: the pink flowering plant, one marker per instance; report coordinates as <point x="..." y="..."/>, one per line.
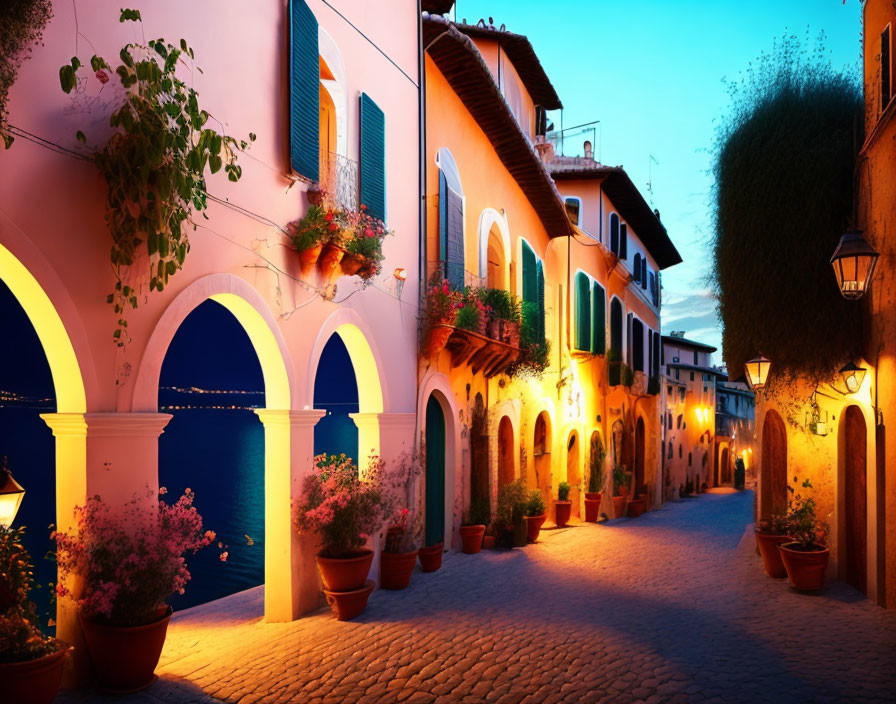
<point x="130" y="561"/>
<point x="442" y="302"/>
<point x="363" y="236"/>
<point x="405" y="525"/>
<point x="339" y="506"/>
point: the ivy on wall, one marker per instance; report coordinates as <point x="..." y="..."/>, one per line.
<point x="155" y="162"/>
<point x="784" y="169"/>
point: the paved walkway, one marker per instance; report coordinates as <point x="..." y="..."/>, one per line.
<point x="669" y="607"/>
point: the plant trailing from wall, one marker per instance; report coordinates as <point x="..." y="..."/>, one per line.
<point x="785" y="159"/>
<point x="155" y="163"/>
<point x="534" y="349"/>
<point x="22" y="24"/>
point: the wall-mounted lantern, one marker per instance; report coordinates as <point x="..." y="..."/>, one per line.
<point x="852" y="376"/>
<point x="11" y="493"/>
<point x="757" y="371"/>
<point x="401" y="275"/>
<point x="854" y="261"/>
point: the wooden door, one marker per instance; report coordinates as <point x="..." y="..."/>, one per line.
<point x="640" y="452"/>
<point x="505" y="452"/>
<point x="856" y="514"/>
<point x="435" y="472"/>
<point x="773" y="472"/>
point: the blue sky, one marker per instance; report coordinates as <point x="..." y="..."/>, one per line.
<point x="652" y="72"/>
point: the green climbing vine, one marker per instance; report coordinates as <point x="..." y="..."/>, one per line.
<point x="155" y="163"/>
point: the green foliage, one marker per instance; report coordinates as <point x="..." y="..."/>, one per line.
<point x="503" y="304"/>
<point x="627" y="374"/>
<point x="801" y="521"/>
<point x="468" y="318"/>
<point x="480" y="513"/>
<point x="596" y="473"/>
<point x="512" y="497"/>
<point x="536" y="505"/>
<point x="740" y="474"/>
<point x="311" y="230"/>
<point x="155" y="163"/>
<point x="563" y="491"/>
<point x="785" y="159"/>
<point x="621" y="478"/>
<point x="20" y="638"/>
<point x="22" y="24"/>
<point x="534" y="350"/>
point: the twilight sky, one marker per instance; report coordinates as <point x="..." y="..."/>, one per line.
<point x="652" y="72"/>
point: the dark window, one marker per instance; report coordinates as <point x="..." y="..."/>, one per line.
<point x="636" y="269"/>
<point x="696" y="358"/>
<point x="637" y="345"/>
<point x="616" y="326"/>
<point x="690" y="459"/>
<point x="653" y="290"/>
<point x="692" y="376"/>
<point x="583" y="312"/>
<point x="623" y="241"/>
<point x="644" y="273"/>
<point x="679" y="452"/>
<point x="372" y="167"/>
<point x="573" y="208"/>
<point x="886" y="89"/>
<point x="304" y="92"/>
<point x="614" y="233"/>
<point x="598" y="320"/>
<point x="451" y="235"/>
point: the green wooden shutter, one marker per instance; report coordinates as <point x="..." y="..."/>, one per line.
<point x="451" y="233"/>
<point x="373" y="158"/>
<point x="530" y="281"/>
<point x="623" y="241"/>
<point x="598" y="320"/>
<point x="541" y="307"/>
<point x="304" y="92"/>
<point x="583" y="312"/>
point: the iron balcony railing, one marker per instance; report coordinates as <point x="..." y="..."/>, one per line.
<point x="339" y="180"/>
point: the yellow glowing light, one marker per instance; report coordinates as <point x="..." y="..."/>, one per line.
<point x="757" y="371"/>
<point x="11" y="494"/>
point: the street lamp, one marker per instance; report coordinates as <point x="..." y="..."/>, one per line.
<point x="854" y="261"/>
<point x="11" y="493"/>
<point x="852" y="376"/>
<point x="757" y="371"/>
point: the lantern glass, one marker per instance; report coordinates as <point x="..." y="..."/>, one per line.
<point x="11" y="493"/>
<point x="852" y="376"/>
<point x="757" y="371"/>
<point x="854" y="261"/>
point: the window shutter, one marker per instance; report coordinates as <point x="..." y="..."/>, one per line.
<point x="304" y="92"/>
<point x="373" y="158"/>
<point x="598" y="320"/>
<point x="636" y="269"/>
<point x="614" y="233"/>
<point x="541" y="306"/>
<point x="644" y="273"/>
<point x="623" y="241"/>
<point x="583" y="312"/>
<point x="451" y="233"/>
<point x="628" y="337"/>
<point x="530" y="277"/>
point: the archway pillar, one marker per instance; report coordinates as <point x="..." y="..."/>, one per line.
<point x="120" y="452"/>
<point x="291" y="585"/>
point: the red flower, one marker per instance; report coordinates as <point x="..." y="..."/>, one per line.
<point x="102" y="76"/>
<point x="333" y="226"/>
<point x="328" y="217"/>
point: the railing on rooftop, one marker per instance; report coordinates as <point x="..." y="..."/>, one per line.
<point x="576" y="145"/>
<point x="339" y="180"/>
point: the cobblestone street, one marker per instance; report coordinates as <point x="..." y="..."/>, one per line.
<point x="672" y="606"/>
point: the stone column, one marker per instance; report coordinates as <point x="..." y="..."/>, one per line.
<point x="290" y="574"/>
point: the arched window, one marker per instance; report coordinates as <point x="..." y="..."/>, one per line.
<point x="636" y="269"/>
<point x="495" y="260"/>
<point x="451" y="219"/>
<point x="637" y="345"/>
<point x="691" y="458"/>
<point x="573" y="209"/>
<point x="616" y="327"/>
<point x="614" y="233"/>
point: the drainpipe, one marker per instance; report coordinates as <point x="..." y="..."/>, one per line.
<point x="421" y="171"/>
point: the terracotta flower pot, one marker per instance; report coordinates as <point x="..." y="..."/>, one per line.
<point x="593" y="495"/>
<point x="618" y="506"/>
<point x="330" y="257"/>
<point x="351" y="264"/>
<point x="592" y="507"/>
<point x="431" y="557"/>
<point x="396" y="569"/>
<point x="349" y="604"/>
<point x="308" y="257"/>
<point x="438" y="338"/>
<point x="533" y="526"/>
<point x="771" y="557"/>
<point x="562" y="512"/>
<point x="488" y="542"/>
<point x="34" y="681"/>
<point x="342" y="574"/>
<point x="124" y="658"/>
<point x="805" y="568"/>
<point x="471" y="537"/>
<point x="636" y="507"/>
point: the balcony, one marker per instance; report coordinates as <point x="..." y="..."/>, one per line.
<point x="489" y="355"/>
<point x="339" y="181"/>
<point x="574" y="148"/>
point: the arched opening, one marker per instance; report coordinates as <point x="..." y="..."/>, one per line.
<point x="336" y="393"/>
<point x="506" y="471"/>
<point x="573" y="470"/>
<point x="478" y="454"/>
<point x="435" y="471"/>
<point x="725" y="467"/>
<point x="596" y="462"/>
<point x="855" y="516"/>
<point x="616" y="327"/>
<point x="215" y="445"/>
<point x="640" y="456"/>
<point x="541" y="451"/>
<point x="496" y="265"/>
<point x="773" y="472"/>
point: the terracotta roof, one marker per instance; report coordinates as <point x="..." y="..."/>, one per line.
<point x="689" y="343"/>
<point x="438" y="7"/>
<point x="619" y="188"/>
<point x="465" y="70"/>
<point x="524" y="59"/>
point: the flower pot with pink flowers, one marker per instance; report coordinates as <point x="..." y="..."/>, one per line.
<point x="343" y="510"/>
<point x="363" y="242"/>
<point x="31" y="663"/>
<point x="129" y="562"/>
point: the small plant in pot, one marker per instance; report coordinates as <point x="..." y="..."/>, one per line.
<point x="439" y="315"/>
<point x="562" y="506"/>
<point x="620" y="490"/>
<point x="31" y="663"/>
<point x="399" y="553"/>
<point x="770" y="533"/>
<point x="513" y="501"/>
<point x="806" y="556"/>
<point x="311" y="233"/>
<point x="473" y="527"/>
<point x="595" y="485"/>
<point x="536" y="514"/>
<point x="128" y="562"/>
<point x="343" y="511"/>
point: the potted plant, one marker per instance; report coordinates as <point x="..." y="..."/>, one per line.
<point x="806" y="557"/>
<point x="770" y="533"/>
<point x="473" y="528"/>
<point x="399" y="553"/>
<point x="363" y="244"/>
<point x="638" y="505"/>
<point x="513" y="501"/>
<point x="31" y="663"/>
<point x="128" y="563"/>
<point x="343" y="511"/>
<point x="620" y="490"/>
<point x="431" y="557"/>
<point x="562" y="506"/>
<point x="536" y="514"/>
<point x="439" y="315"/>
<point x="309" y="234"/>
<point x="595" y="484"/>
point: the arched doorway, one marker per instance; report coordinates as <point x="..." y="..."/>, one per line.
<point x="725" y="467"/>
<point x="541" y="451"/>
<point x="336" y="393"/>
<point x="215" y="445"/>
<point x="573" y="470"/>
<point x="855" y="516"/>
<point x="478" y="454"/>
<point x="435" y="471"/>
<point x="596" y="474"/>
<point x="773" y="472"/>
<point x="640" y="452"/>
<point x="505" y="452"/>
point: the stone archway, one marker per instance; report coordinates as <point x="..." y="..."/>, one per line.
<point x="773" y="471"/>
